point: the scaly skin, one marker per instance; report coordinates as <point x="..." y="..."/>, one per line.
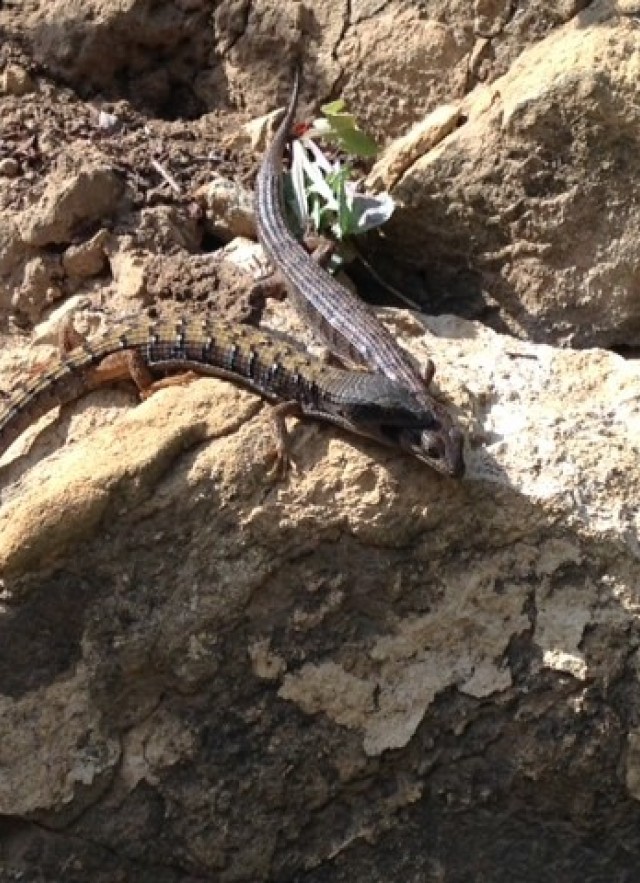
<point x="344" y="321"/>
<point x="365" y="403"/>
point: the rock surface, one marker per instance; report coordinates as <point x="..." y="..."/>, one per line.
<point x="364" y="671"/>
<point x="531" y="205"/>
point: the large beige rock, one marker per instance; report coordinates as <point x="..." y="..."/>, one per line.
<point x="203" y="612"/>
<point x="532" y="202"/>
<point x="364" y="672"/>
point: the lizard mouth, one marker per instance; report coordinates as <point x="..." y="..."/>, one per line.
<point x="440" y="450"/>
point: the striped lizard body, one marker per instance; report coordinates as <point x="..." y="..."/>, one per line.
<point x="297" y="383"/>
<point x="345" y="322"/>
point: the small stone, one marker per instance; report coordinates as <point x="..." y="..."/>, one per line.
<point x="16" y="81"/>
<point x="109" y="122"/>
<point x="9" y="167"/>
<point x="86" y="259"/>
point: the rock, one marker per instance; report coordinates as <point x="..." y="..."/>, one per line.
<point x="129" y="269"/>
<point x="228" y="207"/>
<point x="40" y="287"/>
<point x="207" y="673"/>
<point x="91" y="51"/>
<point x="87" y="258"/>
<point x="15" y="80"/>
<point x="9" y="167"/>
<point x="333" y="612"/>
<point x="405" y="151"/>
<point x="531" y="203"/>
<point x="87" y="195"/>
<point x="48" y="332"/>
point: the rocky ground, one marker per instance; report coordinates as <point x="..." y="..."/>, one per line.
<point x="364" y="671"/>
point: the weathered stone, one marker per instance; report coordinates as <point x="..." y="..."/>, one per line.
<point x="532" y="203"/>
<point x="69" y="201"/>
<point x="88" y="258"/>
<point x="15" y="80"/>
<point x="206" y="673"/>
<point x="9" y="167"/>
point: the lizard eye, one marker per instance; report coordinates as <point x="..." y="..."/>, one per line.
<point x="434" y="448"/>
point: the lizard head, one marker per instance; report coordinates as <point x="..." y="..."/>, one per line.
<point x="399" y="418"/>
<point x="438" y="444"/>
<point x="440" y="448"/>
<point x="431" y="436"/>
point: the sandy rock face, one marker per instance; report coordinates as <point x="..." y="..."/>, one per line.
<point x="201" y="613"/>
<point x="532" y="202"/>
<point x="208" y="673"/>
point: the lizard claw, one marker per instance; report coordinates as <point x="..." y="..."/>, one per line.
<point x="283" y="464"/>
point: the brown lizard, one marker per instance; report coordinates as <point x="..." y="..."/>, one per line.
<point x="296" y="383"/>
<point x="345" y="322"/>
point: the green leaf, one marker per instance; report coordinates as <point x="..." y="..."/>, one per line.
<point x="344" y="129"/>
<point x="333" y="107"/>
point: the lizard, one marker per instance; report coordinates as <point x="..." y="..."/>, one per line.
<point x="346" y="323"/>
<point x="149" y="352"/>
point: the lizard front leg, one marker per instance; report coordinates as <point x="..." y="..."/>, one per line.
<point x="121" y="366"/>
